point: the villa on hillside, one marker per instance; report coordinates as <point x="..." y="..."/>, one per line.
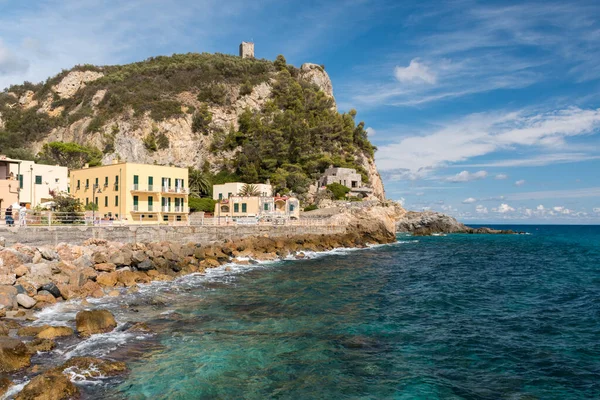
<point x="28" y="183"/>
<point x="134" y="192"/>
<point x="347" y="177"/>
<point x="226" y="190"/>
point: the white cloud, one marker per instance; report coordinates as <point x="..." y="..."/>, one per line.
<point x="557" y="194"/>
<point x="540" y="208"/>
<point x="520" y="182"/>
<point x="466" y="176"/>
<point x="10" y="63"/>
<point x="501" y="176"/>
<point x="370" y="131"/>
<point x="597" y="210"/>
<point x="480" y="134"/>
<point x="503" y="209"/>
<point x="470" y="200"/>
<point x="481" y="209"/>
<point x="415" y="72"/>
<point x="538" y="160"/>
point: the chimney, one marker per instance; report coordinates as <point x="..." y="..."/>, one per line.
<point x="86" y="165"/>
<point x="115" y="161"/>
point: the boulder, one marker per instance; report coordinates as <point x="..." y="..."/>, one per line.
<point x="51" y="288"/>
<point x="44" y="297"/>
<point x="91" y="367"/>
<point x="48" y="253"/>
<point x="8" y="279"/>
<point x="25" y="301"/>
<point x="8" y="297"/>
<point x="99" y="257"/>
<point x="138" y="256"/>
<point x="53" y="332"/>
<point x="5" y="383"/>
<point x="13" y="355"/>
<point x="108" y="279"/>
<point x="31" y="330"/>
<point x="84" y="261"/>
<point x="51" y="385"/>
<point x="31" y="284"/>
<point x="12" y="258"/>
<point x="105" y="267"/>
<point x="146" y="265"/>
<point x="95" y="321"/>
<point x="40" y="345"/>
<point x="3" y="329"/>
<point x="21" y="270"/>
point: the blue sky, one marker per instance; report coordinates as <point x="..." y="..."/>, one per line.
<point x="488" y="111"/>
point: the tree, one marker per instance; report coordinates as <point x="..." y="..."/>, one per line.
<point x="69" y="207"/>
<point x="206" y="205"/>
<point x="249" y="190"/>
<point x="201" y="120"/>
<point x="150" y="142"/>
<point x="339" y="191"/>
<point x="200" y="184"/>
<point x="69" y="154"/>
<point x="162" y="141"/>
<point x="280" y="62"/>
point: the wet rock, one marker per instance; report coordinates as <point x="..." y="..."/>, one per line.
<point x="55" y="331"/>
<point x="8" y="297"/>
<point x="5" y="383"/>
<point x="51" y="288"/>
<point x="3" y="329"/>
<point x="114" y="293"/>
<point x="25" y="301"/>
<point x="96" y="321"/>
<point x="13" y="355"/>
<point x="50" y="385"/>
<point x="31" y="330"/>
<point x="91" y="367"/>
<point x="139" y="327"/>
<point x="40" y="345"/>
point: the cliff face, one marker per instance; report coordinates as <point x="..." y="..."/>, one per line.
<point x="100" y="107"/>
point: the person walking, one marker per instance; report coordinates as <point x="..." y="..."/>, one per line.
<point x="8" y="216"/>
<point x="23" y="216"/>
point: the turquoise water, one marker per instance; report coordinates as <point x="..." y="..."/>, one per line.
<point x="455" y="317"/>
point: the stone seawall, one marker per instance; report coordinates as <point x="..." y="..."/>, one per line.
<point x="76" y="235"/>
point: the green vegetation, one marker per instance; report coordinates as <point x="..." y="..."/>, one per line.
<point x="249" y="190"/>
<point x="206" y="205"/>
<point x="150" y="142"/>
<point x="71" y="155"/>
<point x="91" y="207"/>
<point x="200" y="183"/>
<point x="201" y="120"/>
<point x="310" y="207"/>
<point x="70" y="208"/>
<point x="339" y="191"/>
<point x="162" y="141"/>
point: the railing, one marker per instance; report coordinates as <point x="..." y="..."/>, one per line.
<point x="137" y="188"/>
<point x="135" y="208"/>
<point x="178" y="190"/>
<point x="166" y="209"/>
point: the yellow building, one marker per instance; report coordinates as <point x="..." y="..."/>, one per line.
<point x="139" y="193"/>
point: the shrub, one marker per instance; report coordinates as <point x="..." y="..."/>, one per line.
<point x="201" y="120"/>
<point x="69" y="154"/>
<point x="162" y="141"/>
<point x="215" y="93"/>
<point x="197" y="204"/>
<point x="339" y="191"/>
<point x="150" y="142"/>
<point x="246" y="88"/>
<point x="310" y="207"/>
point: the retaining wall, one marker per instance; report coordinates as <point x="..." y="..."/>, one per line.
<point x="40" y="236"/>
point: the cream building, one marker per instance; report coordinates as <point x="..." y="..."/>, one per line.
<point x="227" y="190"/>
<point x="139" y="193"/>
<point x="258" y="206"/>
<point x="28" y="183"/>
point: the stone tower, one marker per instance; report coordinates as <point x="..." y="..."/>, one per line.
<point x="247" y="50"/>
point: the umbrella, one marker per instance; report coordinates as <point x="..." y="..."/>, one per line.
<point x="16" y="206"/>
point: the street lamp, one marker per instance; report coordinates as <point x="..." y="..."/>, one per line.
<point x="95" y="190"/>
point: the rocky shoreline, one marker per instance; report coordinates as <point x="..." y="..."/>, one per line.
<point x="33" y="278"/>
<point x="426" y="223"/>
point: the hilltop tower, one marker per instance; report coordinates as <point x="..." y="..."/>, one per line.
<point x="247" y="50"/>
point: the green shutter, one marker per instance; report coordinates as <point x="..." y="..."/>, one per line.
<point x="105" y="201"/>
<point x="136" y="179"/>
<point x="21" y="181"/>
<point x="116" y="201"/>
<point x="150" y="181"/>
<point x="236" y="207"/>
<point x="244" y="208"/>
<point x="266" y="206"/>
<point x="135" y="200"/>
<point x="38" y="179"/>
<point x="150" y="200"/>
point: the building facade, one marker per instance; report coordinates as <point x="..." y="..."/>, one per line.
<point x="347" y="177"/>
<point x="259" y="207"/>
<point x="28" y="183"/>
<point x="247" y="50"/>
<point x="137" y="193"/>
<point x="228" y="190"/>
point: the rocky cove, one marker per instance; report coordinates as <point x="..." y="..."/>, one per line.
<point x="34" y="279"/>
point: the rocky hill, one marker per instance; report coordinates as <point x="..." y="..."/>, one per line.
<point x="246" y="119"/>
<point x="426" y="223"/>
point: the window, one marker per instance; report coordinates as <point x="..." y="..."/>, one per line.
<point x="244" y="208"/>
<point x="220" y="196"/>
<point x="97" y="179"/>
<point x="150" y="203"/>
<point x="117" y="182"/>
<point x="106" y="181"/>
<point x="56" y="180"/>
<point x="166" y="218"/>
<point x="38" y="179"/>
<point x="116" y="201"/>
<point x="150" y="183"/>
<point x="179" y="218"/>
<point x="87" y="183"/>
<point x="266" y="206"/>
<point x="87" y="201"/>
<point x="78" y="184"/>
<point x="236" y="207"/>
<point x="105" y="201"/>
<point x="136" y="179"/>
<point x="229" y="195"/>
<point x="291" y="208"/>
<point x="135" y="201"/>
<point x="96" y="202"/>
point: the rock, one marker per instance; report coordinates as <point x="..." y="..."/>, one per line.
<point x="108" y="279"/>
<point x="114" y="293"/>
<point x="316" y="74"/>
<point x="31" y="330"/>
<point x="99" y="258"/>
<point x="138" y="257"/>
<point x="48" y="253"/>
<point x="21" y="270"/>
<point x="146" y="265"/>
<point x="96" y="321"/>
<point x="139" y="327"/>
<point x="84" y="261"/>
<point x="51" y="385"/>
<point x="44" y="297"/>
<point x="40" y="345"/>
<point x="4" y="329"/>
<point x="55" y="331"/>
<point x="8" y="297"/>
<point x="105" y="267"/>
<point x="429" y="222"/>
<point x="25" y="301"/>
<point x="8" y="279"/>
<point x="5" y="383"/>
<point x="74" y="81"/>
<point x="11" y="258"/>
<point x="92" y="367"/>
<point x="13" y="355"/>
<point x="51" y="288"/>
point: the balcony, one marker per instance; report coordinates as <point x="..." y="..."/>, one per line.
<point x="138" y="209"/>
<point x="174" y="190"/>
<point x="176" y="209"/>
<point x="140" y="188"/>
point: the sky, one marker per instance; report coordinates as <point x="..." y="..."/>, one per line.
<point x="485" y="110"/>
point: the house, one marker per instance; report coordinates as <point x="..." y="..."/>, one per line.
<point x="227" y="190"/>
<point x="134" y="192"/>
<point x="259" y="207"/>
<point x="28" y="183"/>
<point x="347" y="177"/>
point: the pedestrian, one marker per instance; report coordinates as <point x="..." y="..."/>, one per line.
<point x="8" y="217"/>
<point x="23" y="216"/>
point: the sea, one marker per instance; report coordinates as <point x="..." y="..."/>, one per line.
<point x="513" y="317"/>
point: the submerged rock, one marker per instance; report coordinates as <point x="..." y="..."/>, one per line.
<point x="14" y="355"/>
<point x="50" y="385"/>
<point x="90" y="367"/>
<point x="96" y="321"/>
<point x="41" y="345"/>
<point x="5" y="383"/>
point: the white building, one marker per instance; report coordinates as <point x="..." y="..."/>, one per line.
<point x="34" y="181"/>
<point x="227" y="190"/>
